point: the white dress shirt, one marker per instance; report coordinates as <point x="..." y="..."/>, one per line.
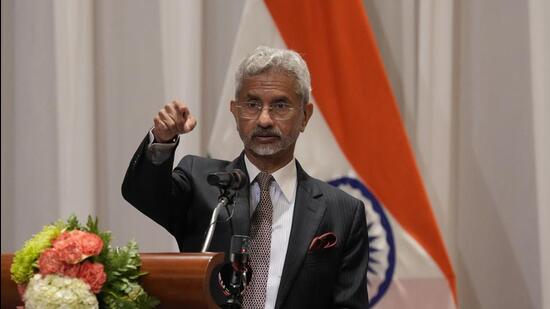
<point x="283" y="195"/>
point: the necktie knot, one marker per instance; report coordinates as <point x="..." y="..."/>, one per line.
<point x="264" y="180"/>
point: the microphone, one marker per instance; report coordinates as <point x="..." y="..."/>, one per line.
<point x="238" y="252"/>
<point x="235" y="179"/>
<point x="235" y="276"/>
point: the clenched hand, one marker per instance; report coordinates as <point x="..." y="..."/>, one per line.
<point x="172" y="120"/>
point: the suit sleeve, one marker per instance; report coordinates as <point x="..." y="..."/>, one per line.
<point x="351" y="285"/>
<point x="155" y="190"/>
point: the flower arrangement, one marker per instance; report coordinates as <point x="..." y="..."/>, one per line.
<point x="73" y="266"/>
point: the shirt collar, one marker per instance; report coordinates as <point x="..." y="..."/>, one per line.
<point x="285" y="177"/>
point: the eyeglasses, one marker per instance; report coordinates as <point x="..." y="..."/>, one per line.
<point x="277" y="110"/>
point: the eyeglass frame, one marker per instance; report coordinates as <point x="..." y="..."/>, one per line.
<point x="270" y="107"/>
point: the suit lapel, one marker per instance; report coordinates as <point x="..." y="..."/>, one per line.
<point x="308" y="212"/>
<point x="241" y="213"/>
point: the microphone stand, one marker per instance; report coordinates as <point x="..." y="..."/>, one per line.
<point x="239" y="270"/>
<point x="226" y="198"/>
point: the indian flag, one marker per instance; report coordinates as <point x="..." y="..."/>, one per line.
<point x="355" y="141"/>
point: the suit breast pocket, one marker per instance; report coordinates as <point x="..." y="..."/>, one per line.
<point x="321" y="257"/>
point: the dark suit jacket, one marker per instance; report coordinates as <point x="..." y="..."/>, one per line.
<point x="182" y="202"/>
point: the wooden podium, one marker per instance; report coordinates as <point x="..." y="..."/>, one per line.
<point x="178" y="280"/>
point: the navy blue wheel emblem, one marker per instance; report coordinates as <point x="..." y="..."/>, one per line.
<point x="381" y="264"/>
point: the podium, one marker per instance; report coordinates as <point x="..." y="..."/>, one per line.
<point x="178" y="280"/>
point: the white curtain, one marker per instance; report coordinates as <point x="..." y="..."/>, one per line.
<point x="82" y="80"/>
<point x="539" y="26"/>
<point x="49" y="113"/>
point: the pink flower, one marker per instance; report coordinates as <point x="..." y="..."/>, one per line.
<point x="70" y="270"/>
<point x="50" y="262"/>
<point x="90" y="244"/>
<point x="93" y="275"/>
<point x="74" y="246"/>
<point x="63" y="236"/>
<point x="69" y="251"/>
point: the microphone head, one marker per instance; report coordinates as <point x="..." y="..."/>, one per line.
<point x="238" y="251"/>
<point x="240" y="179"/>
<point x="234" y="180"/>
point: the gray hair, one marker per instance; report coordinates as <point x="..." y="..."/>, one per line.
<point x="265" y="58"/>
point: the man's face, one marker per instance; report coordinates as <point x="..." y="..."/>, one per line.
<point x="266" y="134"/>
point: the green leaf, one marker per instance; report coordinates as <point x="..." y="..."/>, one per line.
<point x="72" y="223"/>
<point x="122" y="290"/>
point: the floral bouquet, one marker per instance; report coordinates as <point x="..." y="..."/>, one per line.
<point x="72" y="266"/>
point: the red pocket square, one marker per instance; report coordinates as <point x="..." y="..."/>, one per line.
<point x="325" y="241"/>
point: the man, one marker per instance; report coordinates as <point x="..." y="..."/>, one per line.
<point x="308" y="239"/>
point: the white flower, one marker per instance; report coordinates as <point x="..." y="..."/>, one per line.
<point x="53" y="291"/>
